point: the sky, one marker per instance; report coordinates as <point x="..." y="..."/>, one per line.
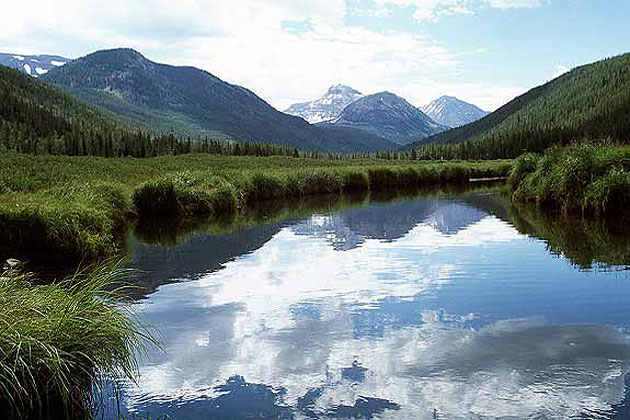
<point x="482" y="51"/>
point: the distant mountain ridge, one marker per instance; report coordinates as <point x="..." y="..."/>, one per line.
<point x="388" y="116"/>
<point x="452" y="112"/>
<point x="589" y="102"/>
<point x="327" y="107"/>
<point x="191" y="101"/>
<point x="33" y="65"/>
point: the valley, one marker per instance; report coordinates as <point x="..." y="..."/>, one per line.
<point x="173" y="246"/>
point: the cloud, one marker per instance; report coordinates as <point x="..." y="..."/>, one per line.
<point x="560" y="70"/>
<point x="284" y="50"/>
<point x="434" y="9"/>
<point x="290" y="316"/>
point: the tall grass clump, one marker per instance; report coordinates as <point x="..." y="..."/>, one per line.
<point x="184" y="194"/>
<point x="383" y="179"/>
<point x="58" y="340"/>
<point x="589" y="177"/>
<point x="355" y="182"/>
<point x="523" y="166"/>
<point x="79" y="222"/>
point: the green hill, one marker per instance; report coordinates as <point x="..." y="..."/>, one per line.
<point x="591" y="101"/>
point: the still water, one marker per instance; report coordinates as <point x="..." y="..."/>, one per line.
<point x="447" y="307"/>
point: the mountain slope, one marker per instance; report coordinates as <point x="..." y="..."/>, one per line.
<point x="327" y="107"/>
<point x="33" y="65"/>
<point x="591" y="101"/>
<point x="452" y="112"/>
<point x="388" y="116"/>
<point x="190" y="101"/>
<point x="37" y="117"/>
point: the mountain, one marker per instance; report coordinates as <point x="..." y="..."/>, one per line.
<point x="452" y="112"/>
<point x="589" y="102"/>
<point x="33" y="65"/>
<point x="36" y="117"/>
<point x="327" y="107"/>
<point x="388" y="116"/>
<point x="190" y="101"/>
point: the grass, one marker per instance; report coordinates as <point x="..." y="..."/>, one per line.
<point x="590" y="177"/>
<point x="58" y="340"/>
<point x="77" y="207"/>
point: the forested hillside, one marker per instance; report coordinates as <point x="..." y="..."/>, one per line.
<point x="36" y="117"/>
<point x="590" y="102"/>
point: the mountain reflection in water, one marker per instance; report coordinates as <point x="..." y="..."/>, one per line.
<point x="417" y="309"/>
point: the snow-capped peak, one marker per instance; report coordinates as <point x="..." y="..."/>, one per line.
<point x="452" y="112"/>
<point x="328" y="107"/>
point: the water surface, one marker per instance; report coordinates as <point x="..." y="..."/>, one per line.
<point x="450" y="307"/>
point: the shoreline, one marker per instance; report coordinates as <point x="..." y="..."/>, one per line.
<point x="81" y="215"/>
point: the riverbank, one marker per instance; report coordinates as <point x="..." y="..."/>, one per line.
<point x="77" y="208"/>
<point x="58" y="340"/>
<point x="592" y="178"/>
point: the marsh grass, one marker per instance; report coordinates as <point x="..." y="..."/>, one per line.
<point x="77" y="207"/>
<point x="57" y="340"/>
<point x="591" y="177"/>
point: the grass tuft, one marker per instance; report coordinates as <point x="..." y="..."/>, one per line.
<point x="57" y="340"/>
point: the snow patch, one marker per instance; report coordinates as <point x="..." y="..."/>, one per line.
<point x="27" y="68"/>
<point x="40" y="70"/>
<point x="57" y="63"/>
<point x="19" y="57"/>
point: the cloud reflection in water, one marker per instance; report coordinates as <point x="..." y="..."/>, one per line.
<point x="314" y="332"/>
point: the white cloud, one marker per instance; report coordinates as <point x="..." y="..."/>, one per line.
<point x="560" y="70"/>
<point x="284" y="50"/>
<point x="434" y="9"/>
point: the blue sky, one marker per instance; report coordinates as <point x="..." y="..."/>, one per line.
<point x="483" y="51"/>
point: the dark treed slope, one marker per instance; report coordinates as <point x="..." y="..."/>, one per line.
<point x="36" y="117"/>
<point x="387" y="115"/>
<point x="192" y="102"/>
<point x="591" y="101"/>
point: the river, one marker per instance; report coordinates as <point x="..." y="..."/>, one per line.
<point x="447" y="306"/>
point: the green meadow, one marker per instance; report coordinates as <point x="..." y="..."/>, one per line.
<point x="78" y="207"/>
